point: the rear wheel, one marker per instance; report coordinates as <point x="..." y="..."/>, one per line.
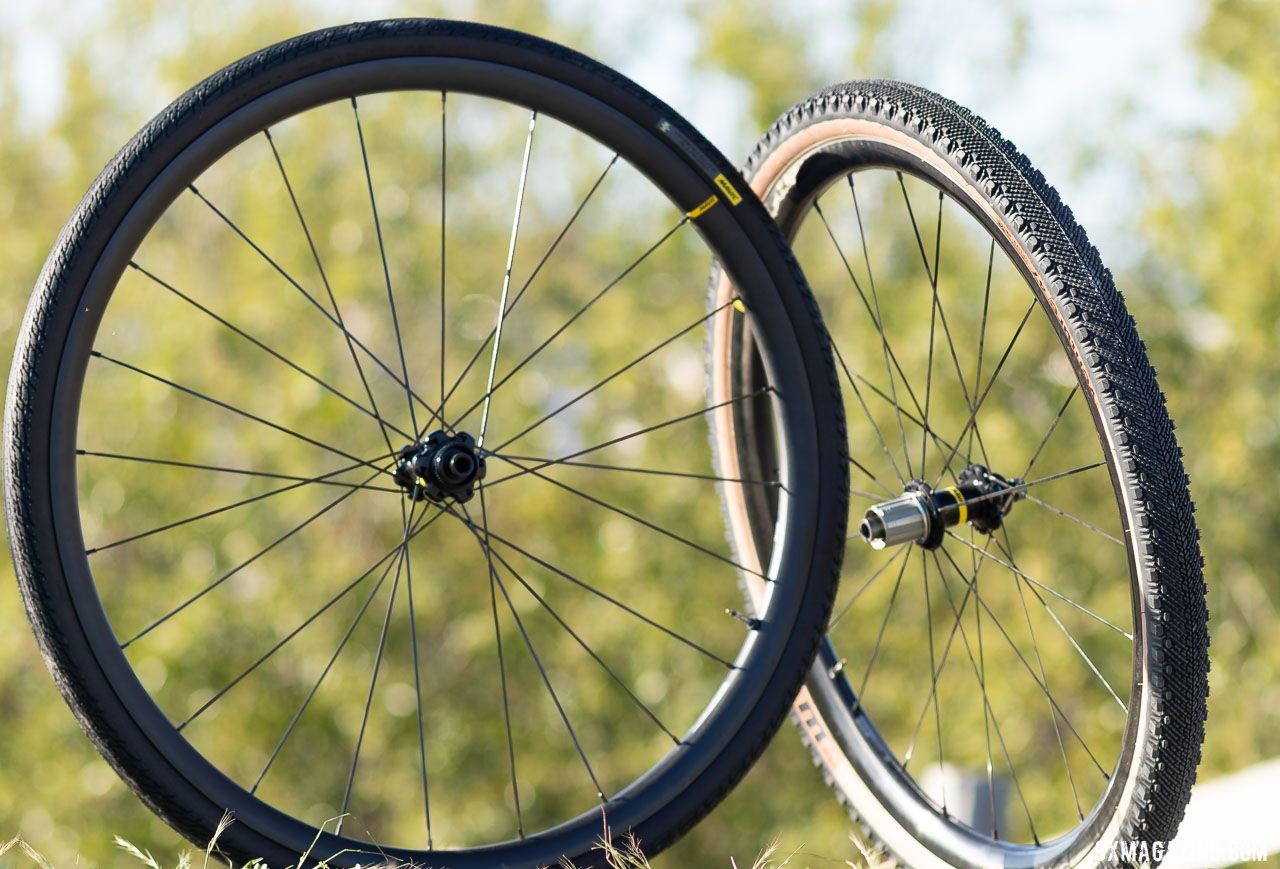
<point x="1015" y="673"/>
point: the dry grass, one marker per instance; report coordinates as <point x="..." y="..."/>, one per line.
<point x="619" y="853"/>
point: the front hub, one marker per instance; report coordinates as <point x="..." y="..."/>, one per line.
<point x="923" y="514"/>
<point x="442" y="467"/>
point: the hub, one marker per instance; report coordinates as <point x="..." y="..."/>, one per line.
<point x="440" y="468"/>
<point x="923" y="514"/>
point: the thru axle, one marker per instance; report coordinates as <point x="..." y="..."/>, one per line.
<point x="923" y="514"/>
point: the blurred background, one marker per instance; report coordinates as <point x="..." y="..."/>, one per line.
<point x="1158" y="121"/>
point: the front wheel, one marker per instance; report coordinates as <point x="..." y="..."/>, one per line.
<point x="357" y="468"/>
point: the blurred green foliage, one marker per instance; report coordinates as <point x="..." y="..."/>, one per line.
<point x="1204" y="297"/>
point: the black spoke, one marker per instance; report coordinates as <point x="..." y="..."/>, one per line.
<point x="1018" y="653"/>
<point x="502" y="665"/>
<point x="986" y="702"/>
<point x="315" y="688"/>
<point x="232" y="506"/>
<point x="884" y="445"/>
<point x="417" y="675"/>
<point x="653" y="471"/>
<point x="937" y="708"/>
<point x="373" y="684"/>
<point x="173" y="463"/>
<point x="835" y="620"/>
<point x="635" y="518"/>
<point x="874" y="311"/>
<point x="977" y="405"/>
<point x="396" y="552"/>
<point x="390" y="372"/>
<point x="1076" y="519"/>
<point x="528" y="644"/>
<point x="265" y="348"/>
<point x="1048" y="434"/>
<point x="936" y="675"/>
<point x="444" y="213"/>
<point x="239" y="567"/>
<point x="1044" y="677"/>
<point x="635" y="434"/>
<point x="585" y="646"/>
<point x="506" y="282"/>
<point x="225" y="406"/>
<point x="1070" y="637"/>
<point x="494" y="387"/>
<point x="386" y="271"/>
<point x="1121" y="631"/>
<point x="475" y="357"/>
<point x="333" y="301"/>
<point x="624" y="369"/>
<point x="884" y="623"/>
<point x="493" y="535"/>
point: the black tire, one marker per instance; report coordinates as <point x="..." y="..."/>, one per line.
<point x="76" y="636"/>
<point x="893" y="126"/>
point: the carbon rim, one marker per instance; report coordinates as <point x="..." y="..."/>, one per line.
<point x="752" y="653"/>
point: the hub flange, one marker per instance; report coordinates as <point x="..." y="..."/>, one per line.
<point x="440" y="468"/>
<point x="923" y="514"/>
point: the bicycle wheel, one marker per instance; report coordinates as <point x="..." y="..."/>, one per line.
<point x="1027" y="628"/>
<point x="357" y="467"/>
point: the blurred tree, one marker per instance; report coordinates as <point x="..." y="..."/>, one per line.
<point x="1212" y="301"/>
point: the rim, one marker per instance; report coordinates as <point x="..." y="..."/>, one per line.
<point x="864" y="203"/>
<point x="747" y="656"/>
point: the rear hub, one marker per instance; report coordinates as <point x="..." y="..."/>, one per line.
<point x="923" y="514"/>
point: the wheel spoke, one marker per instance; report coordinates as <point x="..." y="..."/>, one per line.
<point x="266" y="349"/>
<point x="689" y="475"/>
<point x="506" y="282"/>
<point x="528" y="643"/>
<point x="475" y="357"/>
<point x="502" y="666"/>
<point x="835" y="620"/>
<point x="977" y="406"/>
<point x="1048" y="434"/>
<point x="546" y="565"/>
<point x="1121" y="631"/>
<point x="666" y="342"/>
<point x="986" y="701"/>
<point x="373" y="684"/>
<point x="333" y="301"/>
<point x="417" y="675"/>
<point x="494" y="387"/>
<point x="621" y="438"/>
<point x="236" y="410"/>
<point x="232" y="506"/>
<point x="238" y="471"/>
<point x="1065" y="515"/>
<point x="395" y="552"/>
<point x="386" y="271"/>
<point x="874" y="311"/>
<point x="1031" y="672"/>
<point x="239" y="567"/>
<point x="636" y="518"/>
<point x="390" y="372"/>
<point x="649" y="713"/>
<point x="315" y="688"/>
<point x="884" y="623"/>
<point x="1044" y="677"/>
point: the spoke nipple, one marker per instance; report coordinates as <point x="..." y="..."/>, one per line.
<point x="266" y="131"/>
<point x="750" y="621"/>
<point x="601" y="796"/>
<point x="739" y="306"/>
<point x="837" y="668"/>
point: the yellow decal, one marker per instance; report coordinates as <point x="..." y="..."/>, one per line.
<point x="741" y="308"/>
<point x="960" y="502"/>
<point x="730" y="193"/>
<point x="704" y="207"/>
